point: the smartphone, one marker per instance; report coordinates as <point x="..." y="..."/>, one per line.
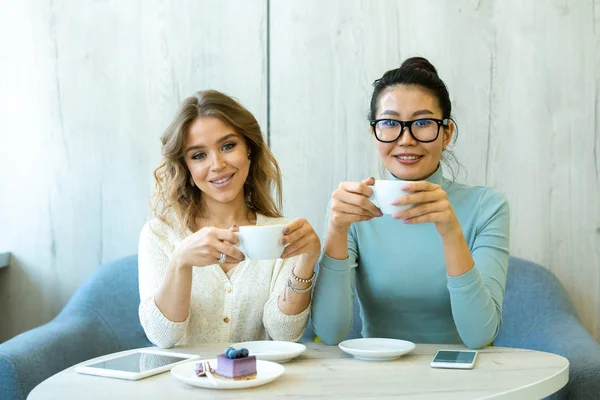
<point x="460" y="359"/>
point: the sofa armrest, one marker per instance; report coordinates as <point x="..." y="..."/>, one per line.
<point x="563" y="334"/>
<point x="33" y="356"/>
<point x="539" y="315"/>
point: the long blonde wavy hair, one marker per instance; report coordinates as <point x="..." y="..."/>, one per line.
<point x="175" y="193"/>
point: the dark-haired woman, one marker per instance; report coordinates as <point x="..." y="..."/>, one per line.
<point x="433" y="273"/>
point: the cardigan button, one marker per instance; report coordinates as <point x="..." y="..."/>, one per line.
<point x="226" y="320"/>
<point x="228" y="290"/>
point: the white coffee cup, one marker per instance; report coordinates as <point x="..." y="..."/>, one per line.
<point x="385" y="192"/>
<point x="261" y="242"/>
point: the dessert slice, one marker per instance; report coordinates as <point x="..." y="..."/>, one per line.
<point x="235" y="365"/>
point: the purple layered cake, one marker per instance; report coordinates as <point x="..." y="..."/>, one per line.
<point x="235" y="365"/>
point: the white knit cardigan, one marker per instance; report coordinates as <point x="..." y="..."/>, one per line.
<point x="228" y="310"/>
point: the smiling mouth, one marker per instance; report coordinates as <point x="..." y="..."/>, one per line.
<point x="408" y="158"/>
<point x="222" y="180"/>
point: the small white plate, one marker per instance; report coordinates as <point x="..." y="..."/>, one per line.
<point x="266" y="372"/>
<point x="272" y="350"/>
<point x="376" y="349"/>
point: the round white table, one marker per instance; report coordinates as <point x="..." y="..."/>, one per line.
<point x="327" y="372"/>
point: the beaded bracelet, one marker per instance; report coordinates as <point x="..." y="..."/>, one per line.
<point x="295" y="290"/>
<point x="291" y="287"/>
<point x="309" y="280"/>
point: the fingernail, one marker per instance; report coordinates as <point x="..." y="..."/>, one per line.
<point x="286" y="230"/>
<point x="233" y="226"/>
<point x="283" y="241"/>
<point x="243" y="257"/>
<point x="405" y="187"/>
<point x="380" y="213"/>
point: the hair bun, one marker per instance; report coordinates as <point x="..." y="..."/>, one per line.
<point x="418" y="63"/>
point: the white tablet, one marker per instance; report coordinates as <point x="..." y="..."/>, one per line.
<point x="133" y="364"/>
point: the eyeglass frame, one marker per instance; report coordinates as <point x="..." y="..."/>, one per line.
<point x="403" y="124"/>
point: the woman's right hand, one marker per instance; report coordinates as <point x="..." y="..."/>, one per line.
<point x="350" y="203"/>
<point x="204" y="248"/>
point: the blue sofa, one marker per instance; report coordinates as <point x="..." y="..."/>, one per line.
<point x="102" y="318"/>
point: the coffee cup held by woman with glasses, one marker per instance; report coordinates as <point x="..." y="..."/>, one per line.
<point x="431" y="272"/>
<point x="196" y="285"/>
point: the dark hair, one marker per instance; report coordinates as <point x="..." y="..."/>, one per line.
<point x="414" y="71"/>
<point x="417" y="71"/>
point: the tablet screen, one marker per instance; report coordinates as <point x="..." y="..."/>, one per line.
<point x="138" y="362"/>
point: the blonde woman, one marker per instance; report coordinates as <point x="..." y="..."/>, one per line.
<point x="217" y="174"/>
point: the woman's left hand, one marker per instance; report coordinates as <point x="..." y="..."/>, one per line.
<point x="430" y="204"/>
<point x="300" y="238"/>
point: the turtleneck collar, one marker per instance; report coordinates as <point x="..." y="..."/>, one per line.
<point x="437" y="177"/>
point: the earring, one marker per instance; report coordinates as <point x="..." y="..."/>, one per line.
<point x="192" y="182"/>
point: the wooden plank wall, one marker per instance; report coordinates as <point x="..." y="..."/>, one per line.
<point x="86" y="89"/>
<point x="524" y="82"/>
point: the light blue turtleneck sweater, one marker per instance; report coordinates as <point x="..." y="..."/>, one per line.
<point x="399" y="273"/>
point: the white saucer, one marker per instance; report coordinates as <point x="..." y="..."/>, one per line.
<point x="266" y="372"/>
<point x="272" y="350"/>
<point x="376" y="349"/>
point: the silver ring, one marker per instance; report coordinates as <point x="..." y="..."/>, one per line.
<point x="222" y="258"/>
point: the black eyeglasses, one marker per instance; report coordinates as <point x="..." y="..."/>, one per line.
<point x="423" y="130"/>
